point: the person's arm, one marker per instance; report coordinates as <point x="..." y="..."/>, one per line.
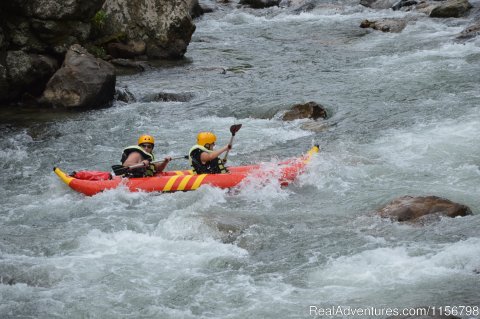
<point x="159" y="167"/>
<point x="207" y="157"/>
<point x="133" y="159"/>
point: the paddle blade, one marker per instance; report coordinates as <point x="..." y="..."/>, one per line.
<point x="235" y="128"/>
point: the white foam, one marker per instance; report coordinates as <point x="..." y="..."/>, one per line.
<point x="403" y="265"/>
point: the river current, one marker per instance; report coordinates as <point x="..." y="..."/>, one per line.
<point x="404" y="119"/>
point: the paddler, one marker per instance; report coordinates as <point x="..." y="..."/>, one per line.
<point x="203" y="159"/>
<point x="142" y="153"/>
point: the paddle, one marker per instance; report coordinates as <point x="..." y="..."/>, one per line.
<point x="233" y="129"/>
<point x="120" y="169"/>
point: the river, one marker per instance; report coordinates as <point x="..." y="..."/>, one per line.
<point x="404" y="119"/>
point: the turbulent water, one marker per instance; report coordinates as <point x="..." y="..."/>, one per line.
<point x="404" y="119"/>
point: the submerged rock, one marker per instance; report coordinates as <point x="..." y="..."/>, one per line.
<point x="470" y="32"/>
<point x="385" y="25"/>
<point x="168" y="97"/>
<point x="82" y="81"/>
<point x="230" y="228"/>
<point x="408" y="208"/>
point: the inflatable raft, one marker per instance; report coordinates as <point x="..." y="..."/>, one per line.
<point x="172" y="181"/>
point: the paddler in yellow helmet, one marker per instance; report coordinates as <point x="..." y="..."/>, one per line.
<point x="143" y="153"/>
<point x="203" y="159"/>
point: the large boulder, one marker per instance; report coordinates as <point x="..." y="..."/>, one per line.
<point x="451" y="9"/>
<point x="408" y="208"/>
<point x="165" y="26"/>
<point x="82" y="82"/>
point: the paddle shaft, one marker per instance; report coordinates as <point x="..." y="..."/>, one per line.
<point x="233" y="129"/>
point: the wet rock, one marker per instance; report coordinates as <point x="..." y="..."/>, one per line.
<point x="4" y="86"/>
<point x="408" y="208"/>
<point x="310" y="110"/>
<point x="403" y="4"/>
<point x="451" y="9"/>
<point x="260" y="4"/>
<point x="195" y="9"/>
<point x="470" y="32"/>
<point x="82" y="82"/>
<point x="378" y="4"/>
<point x="165" y="25"/>
<point x="128" y="50"/>
<point x="168" y="97"/>
<point x="385" y="25"/>
<point x="124" y="95"/>
<point x="135" y="66"/>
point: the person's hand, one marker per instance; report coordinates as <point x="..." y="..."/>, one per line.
<point x="146" y="163"/>
<point x="229" y="146"/>
<point x="167" y="159"/>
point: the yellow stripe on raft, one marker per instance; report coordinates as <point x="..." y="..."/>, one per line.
<point x="198" y="181"/>
<point x="184" y="182"/>
<point x="64" y="177"/>
<point x="179" y="173"/>
<point x="310" y="153"/>
<point x="170" y="183"/>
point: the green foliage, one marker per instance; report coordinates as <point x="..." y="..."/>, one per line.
<point x="99" y="20"/>
<point x="97" y="51"/>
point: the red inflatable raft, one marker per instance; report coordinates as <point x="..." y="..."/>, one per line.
<point x="173" y="181"/>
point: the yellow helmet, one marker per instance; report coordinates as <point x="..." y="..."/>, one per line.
<point x="146" y="139"/>
<point x="206" y="138"/>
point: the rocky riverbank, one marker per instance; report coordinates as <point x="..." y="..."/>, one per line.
<point x="36" y="36"/>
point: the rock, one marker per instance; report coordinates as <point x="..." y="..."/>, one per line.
<point x="385" y="25"/>
<point x="4" y="86"/>
<point x="124" y="95"/>
<point x="310" y="110"/>
<point x="260" y="4"/>
<point x="138" y="66"/>
<point x="408" y="208"/>
<point x="195" y="9"/>
<point x="403" y="3"/>
<point x="164" y="25"/>
<point x="131" y="49"/>
<point x="451" y="9"/>
<point x="28" y="73"/>
<point x="470" y="32"/>
<point x="82" y="82"/>
<point x="81" y="10"/>
<point x="378" y="4"/>
<point x="168" y="97"/>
